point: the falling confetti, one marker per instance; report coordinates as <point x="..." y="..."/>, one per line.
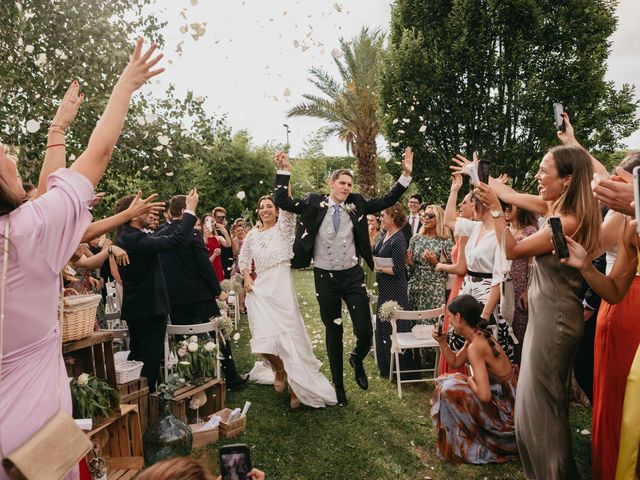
<point x="287" y="92"/>
<point x="146" y="167"/>
<point x="422" y="129"/>
<point x="240" y="195"/>
<point x="338" y="321"/>
<point x="169" y="174"/>
<point x="28" y="49"/>
<point x="163" y="140"/>
<point x="335" y="53"/>
<point x="199" y="29"/>
<point x="33" y="126"/>
<point x="338" y="7"/>
<point x="236" y="336"/>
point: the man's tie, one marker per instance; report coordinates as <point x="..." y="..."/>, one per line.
<point x="335" y="218"/>
<point x="413" y="223"/>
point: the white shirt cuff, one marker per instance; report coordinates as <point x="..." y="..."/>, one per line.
<point x="283" y="172"/>
<point x="404" y="181"/>
<point x="190" y="212"/>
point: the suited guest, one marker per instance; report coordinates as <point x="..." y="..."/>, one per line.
<point x="145" y="302"/>
<point x="333" y="230"/>
<point x="413" y="219"/>
<point x="192" y="284"/>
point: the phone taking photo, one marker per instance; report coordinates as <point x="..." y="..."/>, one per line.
<point x="483" y="171"/>
<point x="636" y="195"/>
<point x="558" y="116"/>
<point x="557" y="236"/>
<point x="209" y="223"/>
<point x="440" y="324"/>
<point x="235" y="461"/>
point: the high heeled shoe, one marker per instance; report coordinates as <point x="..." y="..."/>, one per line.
<point x="295" y="401"/>
<point x="278" y="382"/>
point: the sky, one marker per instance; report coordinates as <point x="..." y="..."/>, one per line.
<point x="251" y="58"/>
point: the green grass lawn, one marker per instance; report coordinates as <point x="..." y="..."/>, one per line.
<point x="377" y="436"/>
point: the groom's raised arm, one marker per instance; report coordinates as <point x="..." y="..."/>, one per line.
<point x="281" y="193"/>
<point x="392" y="196"/>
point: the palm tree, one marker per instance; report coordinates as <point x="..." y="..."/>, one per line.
<point x="352" y="103"/>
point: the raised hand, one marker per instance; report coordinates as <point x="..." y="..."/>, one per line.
<point x="615" y="192"/>
<point x="456" y="182"/>
<point x="192" y="200"/>
<point x="567" y="137"/>
<point x="68" y="108"/>
<point x="139" y="69"/>
<point x="407" y="162"/>
<point x="463" y="164"/>
<point x="503" y="178"/>
<point x="282" y="161"/>
<point x="140" y="206"/>
<point x="487" y="196"/>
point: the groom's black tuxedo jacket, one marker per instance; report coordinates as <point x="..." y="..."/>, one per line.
<point x="312" y="209"/>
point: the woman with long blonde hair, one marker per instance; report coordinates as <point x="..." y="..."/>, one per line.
<point x="432" y="244"/>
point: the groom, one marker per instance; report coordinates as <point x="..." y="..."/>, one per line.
<point x="333" y="230"/>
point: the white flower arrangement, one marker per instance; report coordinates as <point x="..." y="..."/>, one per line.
<point x="182" y="352"/>
<point x="209" y="346"/>
<point x="83" y="379"/>
<point x="224" y="325"/>
<point x="193" y="347"/>
<point x="225" y="285"/>
<point x="387" y="309"/>
<point x="196" y="358"/>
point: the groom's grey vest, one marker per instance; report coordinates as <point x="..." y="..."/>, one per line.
<point x="335" y="251"/>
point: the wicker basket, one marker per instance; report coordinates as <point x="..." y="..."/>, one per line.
<point x="79" y="316"/>
<point x="128" y="371"/>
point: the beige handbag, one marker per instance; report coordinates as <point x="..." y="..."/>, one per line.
<point x="51" y="452"/>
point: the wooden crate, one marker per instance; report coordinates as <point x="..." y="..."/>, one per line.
<point x="216" y="394"/>
<point x="92" y="355"/>
<point x="124" y="468"/>
<point x="136" y="392"/>
<point x="230" y="430"/>
<point x="202" y="439"/>
<point x="119" y="436"/>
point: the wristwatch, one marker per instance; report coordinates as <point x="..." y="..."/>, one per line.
<point x="496" y="213"/>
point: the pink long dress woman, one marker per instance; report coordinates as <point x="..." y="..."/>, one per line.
<point x="43" y="235"/>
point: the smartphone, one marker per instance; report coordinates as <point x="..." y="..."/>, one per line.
<point x="557" y="235"/>
<point x="483" y="171"/>
<point x="209" y="223"/>
<point x="440" y="324"/>
<point x="558" y="110"/>
<point x="636" y="195"/>
<point x="235" y="461"/>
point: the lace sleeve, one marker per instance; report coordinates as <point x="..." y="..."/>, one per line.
<point x="287" y="223"/>
<point x="245" y="256"/>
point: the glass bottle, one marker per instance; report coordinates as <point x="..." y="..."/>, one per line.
<point x="167" y="437"/>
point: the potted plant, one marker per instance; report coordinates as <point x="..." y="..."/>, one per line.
<point x="196" y="359"/>
<point x="93" y="397"/>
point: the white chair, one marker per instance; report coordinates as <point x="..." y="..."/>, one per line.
<point x="401" y="341"/>
<point x="232" y="300"/>
<point x="373" y="304"/>
<point x="187" y="330"/>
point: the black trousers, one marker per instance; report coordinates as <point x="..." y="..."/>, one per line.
<point x="147" y="345"/>
<point x="332" y="288"/>
<point x="201" y="312"/>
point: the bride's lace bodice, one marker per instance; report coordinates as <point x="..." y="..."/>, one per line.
<point x="270" y="247"/>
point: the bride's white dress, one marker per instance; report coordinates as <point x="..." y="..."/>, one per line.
<point x="274" y="316"/>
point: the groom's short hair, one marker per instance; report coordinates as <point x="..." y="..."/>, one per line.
<point x="341" y="171"/>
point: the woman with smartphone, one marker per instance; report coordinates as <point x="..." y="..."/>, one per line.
<point x="481" y="405"/>
<point x="555" y="326"/>
<point x="213" y="243"/>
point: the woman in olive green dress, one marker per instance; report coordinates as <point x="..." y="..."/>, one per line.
<point x="432" y="244"/>
<point x="374" y="235"/>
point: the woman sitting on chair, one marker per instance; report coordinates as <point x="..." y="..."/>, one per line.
<point x="474" y="416"/>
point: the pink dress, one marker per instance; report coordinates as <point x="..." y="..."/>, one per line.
<point x="43" y="236"/>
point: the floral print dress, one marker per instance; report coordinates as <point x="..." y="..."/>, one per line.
<point x="426" y="286"/>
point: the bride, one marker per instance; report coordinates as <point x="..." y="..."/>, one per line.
<point x="277" y="330"/>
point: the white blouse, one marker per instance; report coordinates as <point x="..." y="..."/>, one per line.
<point x="268" y="248"/>
<point x="482" y="256"/>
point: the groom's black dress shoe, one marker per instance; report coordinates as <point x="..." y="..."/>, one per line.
<point x="361" y="376"/>
<point x="342" y="397"/>
<point x="237" y="382"/>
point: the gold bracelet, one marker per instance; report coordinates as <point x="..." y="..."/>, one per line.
<point x="56" y="129"/>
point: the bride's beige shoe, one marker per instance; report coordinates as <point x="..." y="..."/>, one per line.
<point x="295" y="401"/>
<point x="278" y="383"/>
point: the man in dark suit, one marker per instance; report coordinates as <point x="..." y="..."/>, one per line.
<point x="333" y="230"/>
<point x="193" y="286"/>
<point x="145" y="303"/>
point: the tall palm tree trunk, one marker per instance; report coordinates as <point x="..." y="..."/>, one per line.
<point x="366" y="152"/>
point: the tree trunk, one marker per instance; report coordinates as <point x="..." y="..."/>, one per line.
<point x="366" y="152"/>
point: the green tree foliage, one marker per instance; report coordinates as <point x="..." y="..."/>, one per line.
<point x="349" y="105"/>
<point x="482" y="75"/>
<point x="168" y="144"/>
